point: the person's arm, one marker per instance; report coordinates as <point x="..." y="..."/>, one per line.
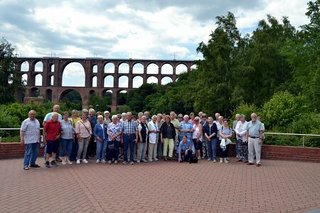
<point x="200" y="132"/>
<point x="22" y="132"/>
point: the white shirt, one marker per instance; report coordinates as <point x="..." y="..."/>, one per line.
<point x="153" y="137"/>
<point x="241" y="129"/>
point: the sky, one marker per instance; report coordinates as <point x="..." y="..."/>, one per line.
<point x="149" y="29"/>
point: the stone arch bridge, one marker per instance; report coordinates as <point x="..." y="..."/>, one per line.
<point x="45" y="76"/>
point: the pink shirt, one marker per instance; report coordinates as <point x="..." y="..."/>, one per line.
<point x="83" y="128"/>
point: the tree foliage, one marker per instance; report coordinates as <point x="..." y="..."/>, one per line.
<point x="10" y="79"/>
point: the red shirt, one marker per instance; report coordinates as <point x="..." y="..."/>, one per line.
<point x="52" y="129"/>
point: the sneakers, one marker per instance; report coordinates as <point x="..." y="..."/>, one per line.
<point x="69" y="162"/>
<point x="214" y="161"/>
<point x="131" y="163"/>
<point x="98" y="161"/>
<point x="150" y="160"/>
<point x="85" y="161"/>
<point x="59" y="160"/>
<point x="124" y="162"/>
<point x="34" y="166"/>
<point x="116" y="162"/>
<point x="221" y="160"/>
<point x="226" y="160"/>
<point x="144" y="160"/>
<point x="103" y="161"/>
<point x="109" y="161"/>
<point x="78" y="161"/>
<point x="47" y="164"/>
<point x="54" y="163"/>
<point x="156" y="159"/>
<point x="26" y="168"/>
<point x="138" y="161"/>
<point x="63" y="162"/>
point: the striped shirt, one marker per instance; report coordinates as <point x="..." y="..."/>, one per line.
<point x="31" y="129"/>
<point x="129" y="127"/>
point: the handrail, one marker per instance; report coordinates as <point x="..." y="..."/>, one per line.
<point x="267" y="133"/>
<point x="291" y="134"/>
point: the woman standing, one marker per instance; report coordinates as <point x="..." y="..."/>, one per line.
<point x="100" y="133"/>
<point x="142" y="140"/>
<point x="66" y="141"/>
<point x="197" y="137"/>
<point x="225" y="134"/>
<point x="168" y="133"/>
<point x="153" y="138"/>
<point x="84" y="132"/>
<point x="114" y="133"/>
<point x="211" y="133"/>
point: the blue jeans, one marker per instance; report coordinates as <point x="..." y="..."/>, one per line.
<point x="101" y="150"/>
<point x="212" y="149"/>
<point x="113" y="154"/>
<point x="31" y="154"/>
<point x="66" y="147"/>
<point x="129" y="141"/>
<point x="238" y="148"/>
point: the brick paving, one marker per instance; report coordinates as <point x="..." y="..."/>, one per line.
<point x="277" y="186"/>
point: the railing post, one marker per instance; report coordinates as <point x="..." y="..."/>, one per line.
<point x="303" y="140"/>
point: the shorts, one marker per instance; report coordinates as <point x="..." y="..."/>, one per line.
<point x="197" y="145"/>
<point x="52" y="147"/>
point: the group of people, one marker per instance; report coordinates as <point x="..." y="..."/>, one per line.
<point x="135" y="139"/>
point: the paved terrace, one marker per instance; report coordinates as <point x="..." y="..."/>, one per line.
<point x="277" y="186"/>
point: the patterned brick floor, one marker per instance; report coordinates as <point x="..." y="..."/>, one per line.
<point x="277" y="186"/>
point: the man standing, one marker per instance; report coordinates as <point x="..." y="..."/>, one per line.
<point x="52" y="132"/>
<point x="92" y="143"/>
<point x="176" y="125"/>
<point x="254" y="132"/>
<point x="30" y="137"/>
<point x="130" y="135"/>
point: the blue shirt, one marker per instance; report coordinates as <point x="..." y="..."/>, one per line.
<point x="254" y="128"/>
<point x="49" y="115"/>
<point x="186" y="126"/>
<point x="184" y="146"/>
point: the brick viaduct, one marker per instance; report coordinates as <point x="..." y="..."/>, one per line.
<point x="44" y="76"/>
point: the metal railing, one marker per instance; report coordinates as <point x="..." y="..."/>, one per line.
<point x="266" y="133"/>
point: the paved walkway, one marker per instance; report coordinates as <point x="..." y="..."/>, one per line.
<point x="277" y="186"/>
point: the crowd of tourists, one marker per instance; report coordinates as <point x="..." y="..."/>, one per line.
<point x="76" y="138"/>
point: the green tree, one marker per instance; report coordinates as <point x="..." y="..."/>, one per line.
<point x="10" y="78"/>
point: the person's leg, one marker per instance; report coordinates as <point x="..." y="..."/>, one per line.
<point x="144" y="151"/>
<point x="80" y="148"/>
<point x="209" y="149"/>
<point x="27" y="155"/>
<point x="155" y="147"/>
<point x="63" y="147"/>
<point x="171" y="147"/>
<point x="116" y="150"/>
<point x="85" y="146"/>
<point x="75" y="147"/>
<point x="34" y="153"/>
<point x="132" y="148"/>
<point x="159" y="150"/>
<point x="165" y="147"/>
<point x="99" y="151"/>
<point x="257" y="149"/>
<point x="125" y="148"/>
<point x="150" y="151"/>
<point x="250" y="149"/>
<point x="244" y="151"/>
<point x="214" y="149"/>
<point x="69" y="148"/>
<point x="104" y="150"/>
<point x="140" y="148"/>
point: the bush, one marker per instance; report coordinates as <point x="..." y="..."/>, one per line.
<point x="246" y="109"/>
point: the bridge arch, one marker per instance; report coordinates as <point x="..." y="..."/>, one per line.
<point x="73" y="72"/>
